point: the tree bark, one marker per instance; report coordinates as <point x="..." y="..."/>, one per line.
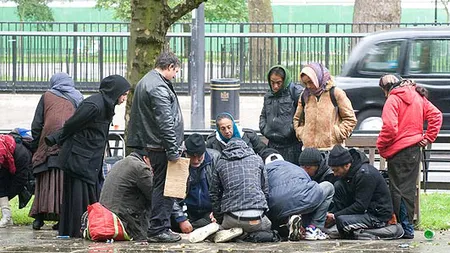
<point x="262" y="51"/>
<point x="369" y="11"/>
<point x="150" y="21"/>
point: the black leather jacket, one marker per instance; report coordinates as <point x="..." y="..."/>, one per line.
<point x="155" y="119"/>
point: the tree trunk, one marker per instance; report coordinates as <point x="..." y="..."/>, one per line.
<point x="150" y="21"/>
<point x="369" y="11"/>
<point x="262" y="52"/>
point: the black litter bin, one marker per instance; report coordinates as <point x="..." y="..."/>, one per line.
<point x="224" y="98"/>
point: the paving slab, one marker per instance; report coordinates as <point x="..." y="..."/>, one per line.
<point x="24" y="239"/>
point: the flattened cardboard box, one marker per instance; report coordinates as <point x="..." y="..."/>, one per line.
<point x="176" y="178"/>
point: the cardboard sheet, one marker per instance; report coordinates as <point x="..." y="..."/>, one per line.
<point x="176" y="178"/>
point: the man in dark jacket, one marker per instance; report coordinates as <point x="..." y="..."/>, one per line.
<point x="156" y="124"/>
<point x="294" y="197"/>
<point x="275" y="121"/>
<point x="197" y="202"/>
<point x="239" y="189"/>
<point x="127" y="192"/>
<point x="362" y="198"/>
<point x="315" y="164"/>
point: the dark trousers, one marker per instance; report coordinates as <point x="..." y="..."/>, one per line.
<point x="159" y="216"/>
<point x="403" y="170"/>
<point x="289" y="153"/>
<point x="344" y="197"/>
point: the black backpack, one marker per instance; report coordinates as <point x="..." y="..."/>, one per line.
<point x="262" y="236"/>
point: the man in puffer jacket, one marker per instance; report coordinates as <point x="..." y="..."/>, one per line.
<point x="294" y="197"/>
<point x="239" y="189"/>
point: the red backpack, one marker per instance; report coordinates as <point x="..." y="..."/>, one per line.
<point x="103" y="225"/>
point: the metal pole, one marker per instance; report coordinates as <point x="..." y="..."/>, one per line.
<point x="435" y="12"/>
<point x="197" y="63"/>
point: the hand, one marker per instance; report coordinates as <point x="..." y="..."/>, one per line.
<point x="185" y="226"/>
<point x="330" y="220"/>
<point x="211" y="217"/>
<point x="424" y="142"/>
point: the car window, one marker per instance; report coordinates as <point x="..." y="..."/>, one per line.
<point x="383" y="57"/>
<point x="429" y="56"/>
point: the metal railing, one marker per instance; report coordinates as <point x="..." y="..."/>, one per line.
<point x="231" y="27"/>
<point x="29" y="59"/>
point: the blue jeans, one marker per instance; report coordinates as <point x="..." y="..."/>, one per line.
<point x="407" y="226"/>
<point x="318" y="216"/>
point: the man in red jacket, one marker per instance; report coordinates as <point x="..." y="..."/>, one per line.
<point x="404" y="113"/>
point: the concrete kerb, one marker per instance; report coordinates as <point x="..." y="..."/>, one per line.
<point x="24" y="239"/>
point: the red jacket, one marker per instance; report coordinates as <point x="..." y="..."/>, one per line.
<point x="7" y="147"/>
<point x="404" y="114"/>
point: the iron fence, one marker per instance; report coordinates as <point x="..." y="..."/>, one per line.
<point x="212" y="27"/>
<point x="29" y="59"/>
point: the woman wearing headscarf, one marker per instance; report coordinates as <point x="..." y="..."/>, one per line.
<point x="321" y="123"/>
<point x="404" y="114"/>
<point x="83" y="139"/>
<point x="275" y="121"/>
<point x="55" y="106"/>
<point x="226" y="129"/>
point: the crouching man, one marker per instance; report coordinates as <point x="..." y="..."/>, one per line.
<point x="127" y="192"/>
<point x="197" y="204"/>
<point x="362" y="199"/>
<point x="294" y="197"/>
<point x="239" y="189"/>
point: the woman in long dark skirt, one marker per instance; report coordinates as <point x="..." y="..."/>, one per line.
<point x="83" y="139"/>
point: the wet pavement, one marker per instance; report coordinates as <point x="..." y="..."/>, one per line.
<point x="24" y="239"/>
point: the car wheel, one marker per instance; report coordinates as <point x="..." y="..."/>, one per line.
<point x="369" y="120"/>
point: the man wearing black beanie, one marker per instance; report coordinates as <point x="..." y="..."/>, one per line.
<point x="361" y="199"/>
<point x="314" y="162"/>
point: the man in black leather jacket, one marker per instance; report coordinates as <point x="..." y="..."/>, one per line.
<point x="156" y="124"/>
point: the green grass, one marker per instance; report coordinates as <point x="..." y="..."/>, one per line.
<point x="435" y="211"/>
<point x="434" y="208"/>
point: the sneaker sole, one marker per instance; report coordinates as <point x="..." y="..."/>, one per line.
<point x="202" y="233"/>
<point x="295" y="228"/>
<point x="227" y="235"/>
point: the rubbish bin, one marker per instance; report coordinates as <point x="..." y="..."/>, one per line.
<point x="224" y="98"/>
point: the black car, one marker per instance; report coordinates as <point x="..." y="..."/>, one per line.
<point x="420" y="54"/>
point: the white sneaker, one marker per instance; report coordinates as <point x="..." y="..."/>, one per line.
<point x="295" y="223"/>
<point x="228" y="234"/>
<point x="313" y="233"/>
<point x="202" y="233"/>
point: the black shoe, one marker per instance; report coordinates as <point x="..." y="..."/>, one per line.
<point x="165" y="236"/>
<point x="408" y="236"/>
<point x="56" y="226"/>
<point x="37" y="224"/>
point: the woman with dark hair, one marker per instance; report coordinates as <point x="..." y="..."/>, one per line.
<point x="83" y="139"/>
<point x="275" y="121"/>
<point x="227" y="129"/>
<point x="55" y="106"/>
<point x="404" y="114"/>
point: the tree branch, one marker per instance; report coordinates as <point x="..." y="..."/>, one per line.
<point x="182" y="9"/>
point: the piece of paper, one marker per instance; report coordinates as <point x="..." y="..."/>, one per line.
<point x="176" y="178"/>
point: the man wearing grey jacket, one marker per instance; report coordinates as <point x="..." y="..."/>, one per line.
<point x="156" y="125"/>
<point x="239" y="189"/>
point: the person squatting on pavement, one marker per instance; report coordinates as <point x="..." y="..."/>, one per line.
<point x="55" y="107"/>
<point x="239" y="189"/>
<point x="319" y="122"/>
<point x="15" y="167"/>
<point x="315" y="164"/>
<point x="197" y="202"/>
<point x="83" y="139"/>
<point x="275" y="121"/>
<point x="127" y="192"/>
<point x="400" y="139"/>
<point x="156" y="124"/>
<point x="226" y="129"/>
<point x="361" y="198"/>
<point x="295" y="199"/>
